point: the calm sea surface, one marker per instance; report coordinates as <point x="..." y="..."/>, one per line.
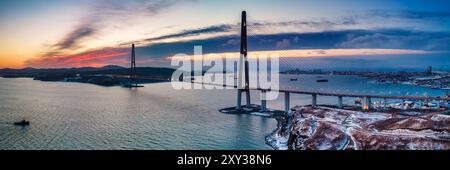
<point x="84" y="116"/>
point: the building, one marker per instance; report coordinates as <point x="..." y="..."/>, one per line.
<point x="429" y="70"/>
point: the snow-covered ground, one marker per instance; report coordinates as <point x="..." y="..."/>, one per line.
<point x="325" y="128"/>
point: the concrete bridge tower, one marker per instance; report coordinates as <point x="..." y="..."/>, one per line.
<point x="243" y="77"/>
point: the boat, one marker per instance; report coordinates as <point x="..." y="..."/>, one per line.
<point x="131" y="85"/>
<point x="322" y="80"/>
<point x="294" y="79"/>
<point x="22" y="123"/>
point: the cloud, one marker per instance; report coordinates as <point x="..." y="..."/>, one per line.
<point x="350" y="62"/>
<point x="399" y="40"/>
<point x="285" y="43"/>
<point x="125" y="9"/>
<point x="420" y="15"/>
<point x="311" y="25"/>
<point x="296" y="39"/>
<point x="323" y="52"/>
<point x="349" y="32"/>
<point x="72" y="39"/>
<point x="319" y="23"/>
<point x="402" y="19"/>
<point x="348" y="39"/>
<point x="103" y="11"/>
<point x="255" y="26"/>
<point x="376" y="40"/>
<point x="120" y="10"/>
<point x="442" y="43"/>
<point x="232" y="42"/>
<point x="194" y="32"/>
<point x="93" y="58"/>
<point x="354" y="21"/>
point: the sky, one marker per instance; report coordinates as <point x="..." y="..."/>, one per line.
<point x="340" y="34"/>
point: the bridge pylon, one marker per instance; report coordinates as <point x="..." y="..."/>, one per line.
<point x="132" y="82"/>
<point x="243" y="77"/>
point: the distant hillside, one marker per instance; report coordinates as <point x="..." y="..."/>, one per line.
<point x="71" y="72"/>
<point x="32" y="72"/>
<point x="140" y="71"/>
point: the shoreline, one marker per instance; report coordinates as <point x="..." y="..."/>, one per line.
<point x="103" y="80"/>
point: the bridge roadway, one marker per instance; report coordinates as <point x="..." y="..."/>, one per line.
<point x="339" y="94"/>
<point x="317" y="92"/>
<point x="366" y="103"/>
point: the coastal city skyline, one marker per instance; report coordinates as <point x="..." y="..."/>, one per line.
<point x="375" y="34"/>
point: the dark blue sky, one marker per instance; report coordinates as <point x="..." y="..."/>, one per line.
<point x="66" y="33"/>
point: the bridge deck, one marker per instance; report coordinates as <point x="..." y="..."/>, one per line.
<point x="338" y="94"/>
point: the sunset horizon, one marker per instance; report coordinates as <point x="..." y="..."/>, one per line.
<point x="224" y="83"/>
<point x="100" y="33"/>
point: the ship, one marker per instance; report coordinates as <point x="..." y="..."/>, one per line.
<point x="22" y="123"/>
<point x="132" y="85"/>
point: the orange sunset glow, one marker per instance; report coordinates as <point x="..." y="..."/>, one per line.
<point x="88" y="33"/>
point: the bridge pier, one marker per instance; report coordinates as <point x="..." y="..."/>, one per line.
<point x="385" y="104"/>
<point x="314" y="100"/>
<point x="287" y="102"/>
<point x="247" y="96"/>
<point x="340" y="105"/>
<point x="263" y="101"/>
<point x="239" y="98"/>
<point x="367" y="103"/>
<point x="403" y="104"/>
